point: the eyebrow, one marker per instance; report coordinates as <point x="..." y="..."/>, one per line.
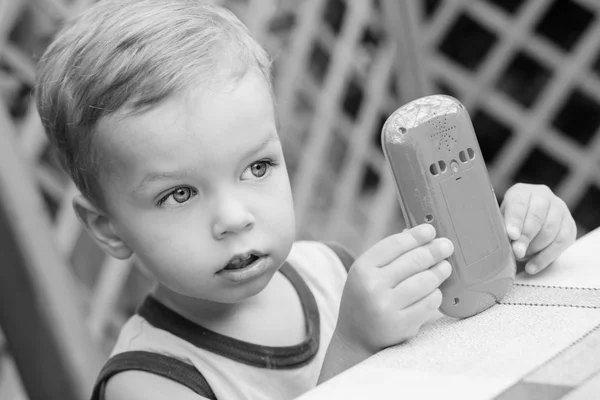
<point x="264" y="144"/>
<point x="161" y="176"/>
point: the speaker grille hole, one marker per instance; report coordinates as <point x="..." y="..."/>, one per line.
<point x="442" y="166"/>
<point x="428" y="218"/>
<point x="433" y="168"/>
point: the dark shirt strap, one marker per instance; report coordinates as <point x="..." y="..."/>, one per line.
<point x="261" y="356"/>
<point x="343" y="254"/>
<point x="165" y="366"/>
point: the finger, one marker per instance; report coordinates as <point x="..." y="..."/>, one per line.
<point x="417" y="260"/>
<point x="550" y="229"/>
<point x="420" y="285"/>
<point x="421" y="311"/>
<point x="536" y="216"/>
<point x="564" y="239"/>
<point x="393" y="246"/>
<point x="515" y="211"/>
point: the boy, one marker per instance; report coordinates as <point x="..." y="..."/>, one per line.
<point x="163" y="115"/>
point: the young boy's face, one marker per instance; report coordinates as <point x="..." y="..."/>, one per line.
<point x="197" y="181"/>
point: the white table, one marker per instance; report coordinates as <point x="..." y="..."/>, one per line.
<point x="497" y="362"/>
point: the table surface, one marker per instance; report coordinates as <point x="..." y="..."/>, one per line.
<point x="578" y="267"/>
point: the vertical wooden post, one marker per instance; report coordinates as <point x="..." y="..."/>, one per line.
<point x="402" y="20"/>
<point x="40" y="308"/>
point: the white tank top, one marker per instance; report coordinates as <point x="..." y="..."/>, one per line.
<point x="236" y="369"/>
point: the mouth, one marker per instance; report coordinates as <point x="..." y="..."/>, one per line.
<point x="241" y="261"/>
<point x="245" y="267"/>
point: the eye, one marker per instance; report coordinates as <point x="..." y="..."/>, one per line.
<point x="182" y="194"/>
<point x="260" y="168"/>
<point x="177" y="196"/>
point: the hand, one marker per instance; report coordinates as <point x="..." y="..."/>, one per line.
<point x="392" y="289"/>
<point x="539" y="223"/>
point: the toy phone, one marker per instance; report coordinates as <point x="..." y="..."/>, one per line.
<point x="441" y="177"/>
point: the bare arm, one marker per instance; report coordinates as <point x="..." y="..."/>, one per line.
<point x="340" y="357"/>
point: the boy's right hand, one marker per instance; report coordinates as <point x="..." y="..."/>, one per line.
<point x="392" y="289"/>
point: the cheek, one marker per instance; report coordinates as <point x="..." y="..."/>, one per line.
<point x="165" y="239"/>
<point x="177" y="254"/>
<point x="280" y="208"/>
<point x="280" y="192"/>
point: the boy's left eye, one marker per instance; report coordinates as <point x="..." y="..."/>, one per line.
<point x="260" y="168"/>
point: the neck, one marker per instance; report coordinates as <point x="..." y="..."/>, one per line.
<point x="208" y="313"/>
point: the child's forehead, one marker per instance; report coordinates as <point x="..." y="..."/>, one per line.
<point x="232" y="84"/>
<point x="211" y="117"/>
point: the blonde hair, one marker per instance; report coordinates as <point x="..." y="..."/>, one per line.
<point x="127" y="56"/>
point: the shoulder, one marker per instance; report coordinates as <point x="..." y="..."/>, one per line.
<point x="342" y="253"/>
<point x="125" y="376"/>
<point x="320" y="265"/>
<point x="137" y="334"/>
<point x="134" y="385"/>
<point x="320" y="253"/>
<point x="135" y="374"/>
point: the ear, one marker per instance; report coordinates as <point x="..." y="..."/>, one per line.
<point x="99" y="226"/>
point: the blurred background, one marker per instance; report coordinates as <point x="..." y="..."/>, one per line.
<point x="528" y="72"/>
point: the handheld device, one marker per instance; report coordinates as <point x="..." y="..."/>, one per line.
<point x="441" y="177"/>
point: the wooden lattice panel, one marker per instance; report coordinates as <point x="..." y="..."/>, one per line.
<point x="335" y="89"/>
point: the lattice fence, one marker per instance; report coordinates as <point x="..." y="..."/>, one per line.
<point x="528" y="71"/>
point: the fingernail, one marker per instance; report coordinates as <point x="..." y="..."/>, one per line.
<point x="427" y="231"/>
<point x="520" y="250"/>
<point x="446" y="268"/>
<point x="531" y="268"/>
<point x="446" y="246"/>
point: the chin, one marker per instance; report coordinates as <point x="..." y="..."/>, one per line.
<point x="256" y="286"/>
<point x="242" y="293"/>
<point x="259" y="284"/>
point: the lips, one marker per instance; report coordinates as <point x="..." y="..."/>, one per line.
<point x="241" y="261"/>
<point x="245" y="268"/>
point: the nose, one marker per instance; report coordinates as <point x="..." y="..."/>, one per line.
<point x="231" y="216"/>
